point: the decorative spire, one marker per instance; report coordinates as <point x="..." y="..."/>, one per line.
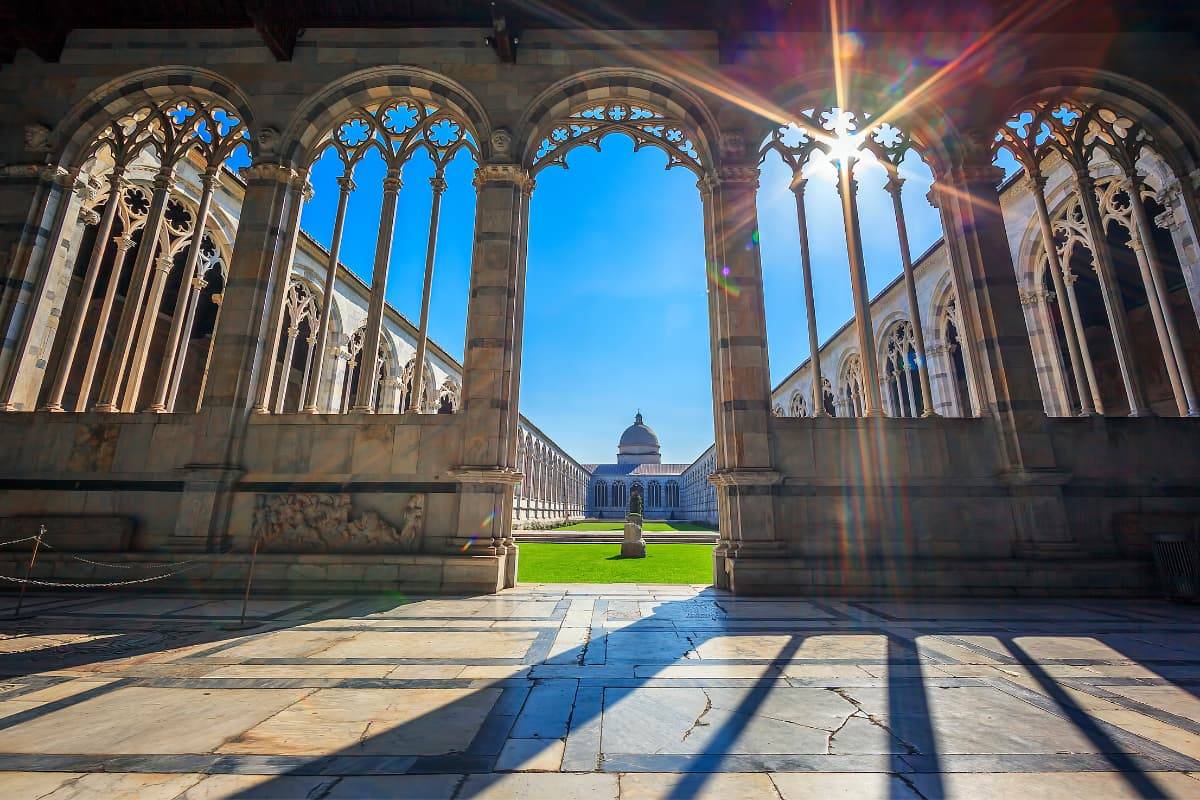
<point x="637" y="419"/>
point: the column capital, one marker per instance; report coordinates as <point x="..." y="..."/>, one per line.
<point x="392" y="181"/>
<point x="798" y="183"/>
<point x="266" y="173"/>
<point x="163" y="263"/>
<point x="346" y="183"/>
<point x="894" y="184"/>
<point x="88" y="216"/>
<point x="738" y="173"/>
<point x="438" y="183"/>
<point x="123" y="242"/>
<point x="502" y="173"/>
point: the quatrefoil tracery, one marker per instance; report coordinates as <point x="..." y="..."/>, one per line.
<point x="170" y="131"/>
<point x="645" y="126"/>
<point x="834" y="132"/>
<point x="396" y="129"/>
<point x="1075" y="131"/>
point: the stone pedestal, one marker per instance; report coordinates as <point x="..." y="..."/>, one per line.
<point x="633" y="546"/>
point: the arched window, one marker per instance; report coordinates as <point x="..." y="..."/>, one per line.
<point x="798" y="407"/>
<point x="143" y="263"/>
<point x="294" y="361"/>
<point x="672" y="494"/>
<point x="1115" y="278"/>
<point x="448" y="397"/>
<point x="619" y="496"/>
<point x="900" y="371"/>
<point x="601" y="494"/>
<point x="830" y="400"/>
<point x="355" y="370"/>
<point x="851" y="384"/>
<point x="654" y="494"/>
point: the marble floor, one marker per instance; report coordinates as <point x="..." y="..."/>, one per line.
<point x="597" y="692"/>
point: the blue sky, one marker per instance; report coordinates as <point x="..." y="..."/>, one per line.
<point x="616" y="317"/>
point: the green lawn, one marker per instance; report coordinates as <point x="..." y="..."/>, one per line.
<point x="619" y="524"/>
<point x="602" y="563"/>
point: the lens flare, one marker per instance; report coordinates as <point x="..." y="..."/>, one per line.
<point x="721" y="278"/>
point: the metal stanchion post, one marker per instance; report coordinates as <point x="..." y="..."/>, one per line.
<point x="242" y="624"/>
<point x="37" y="543"/>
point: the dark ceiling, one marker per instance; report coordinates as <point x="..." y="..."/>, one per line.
<point x="43" y="25"/>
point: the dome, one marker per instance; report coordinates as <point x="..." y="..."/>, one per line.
<point x="639" y="444"/>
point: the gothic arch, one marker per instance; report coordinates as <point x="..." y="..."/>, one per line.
<point x="1173" y="129"/>
<point x="76" y="131"/>
<point x="563" y="104"/>
<point x="316" y="116"/>
<point x="872" y="93"/>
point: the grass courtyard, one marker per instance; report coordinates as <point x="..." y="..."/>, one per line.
<point x="619" y="524"/>
<point x="602" y="563"/>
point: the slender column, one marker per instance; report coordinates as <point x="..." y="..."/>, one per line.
<point x="310" y="342"/>
<point x="1174" y="354"/>
<point x="1085" y="352"/>
<point x="365" y="401"/>
<point x="810" y="304"/>
<point x="288" y="351"/>
<point x="894" y="184"/>
<point x="283" y="271"/>
<point x="346" y="187"/>
<point x="146" y="329"/>
<point x="351" y="363"/>
<point x="848" y="189"/>
<point x="912" y="398"/>
<point x="67" y="359"/>
<point x="111" y="387"/>
<point x="124" y="243"/>
<point x="1084" y="382"/>
<point x="194" y="288"/>
<point x="438" y="182"/>
<point x="1111" y="293"/>
<point x="184" y="300"/>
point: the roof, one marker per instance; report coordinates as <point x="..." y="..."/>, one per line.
<point x="637" y="470"/>
<point x="639" y="435"/>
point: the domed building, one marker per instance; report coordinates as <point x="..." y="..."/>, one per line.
<point x="639" y="444"/>
<point x="639" y="470"/>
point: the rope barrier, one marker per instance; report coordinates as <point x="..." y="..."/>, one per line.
<point x="18" y="541"/>
<point x="184" y="566"/>
<point x="139" y="565"/>
<point x="110" y="584"/>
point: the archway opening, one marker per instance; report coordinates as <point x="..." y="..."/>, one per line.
<point x="616" y="368"/>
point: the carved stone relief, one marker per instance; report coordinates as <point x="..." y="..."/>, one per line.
<point x="326" y="523"/>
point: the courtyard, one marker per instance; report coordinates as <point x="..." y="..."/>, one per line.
<point x="571" y="691"/>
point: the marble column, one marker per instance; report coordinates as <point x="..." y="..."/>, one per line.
<point x="490" y="382"/>
<point x="1114" y="305"/>
<point x="745" y="473"/>
<point x="438" y="183"/>
<point x="187" y="293"/>
<point x="345" y="189"/>
<point x="848" y="191"/>
<point x="241" y="352"/>
<point x="894" y="186"/>
<point x="110" y="389"/>
<point x="373" y="333"/>
<point x="810" y="304"/>
<point x="1012" y="396"/>
<point x="28" y="304"/>
<point x="1083" y="380"/>
<point x="1174" y="355"/>
<point x="116" y="182"/>
<point x="290" y="230"/>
